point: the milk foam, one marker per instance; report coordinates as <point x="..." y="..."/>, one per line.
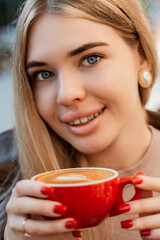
<point x="71" y="177"/>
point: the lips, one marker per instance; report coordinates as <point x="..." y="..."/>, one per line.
<point x="84" y="120"/>
<point x="89" y="127"/>
<point x="81" y="118"/>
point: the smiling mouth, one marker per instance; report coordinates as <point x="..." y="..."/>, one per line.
<point x="85" y="120"/>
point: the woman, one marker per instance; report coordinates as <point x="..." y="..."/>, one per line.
<point x="83" y="71"/>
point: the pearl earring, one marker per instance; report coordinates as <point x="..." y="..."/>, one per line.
<point x="145" y="78"/>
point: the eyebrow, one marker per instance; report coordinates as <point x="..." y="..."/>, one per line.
<point x="35" y="64"/>
<point x="74" y="52"/>
<point x="86" y="47"/>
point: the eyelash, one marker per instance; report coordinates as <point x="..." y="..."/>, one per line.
<point x="94" y="54"/>
<point x="35" y="74"/>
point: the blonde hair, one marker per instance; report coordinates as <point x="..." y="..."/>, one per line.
<point x="40" y="149"/>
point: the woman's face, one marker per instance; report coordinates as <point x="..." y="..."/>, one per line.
<point x="85" y="80"/>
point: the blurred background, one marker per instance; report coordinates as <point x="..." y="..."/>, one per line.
<point x="8" y="13"/>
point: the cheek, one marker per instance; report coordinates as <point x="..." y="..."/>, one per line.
<point x="115" y="84"/>
<point x="118" y="90"/>
<point x="46" y="103"/>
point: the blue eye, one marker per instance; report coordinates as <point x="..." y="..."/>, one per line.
<point x="91" y="60"/>
<point x="44" y="75"/>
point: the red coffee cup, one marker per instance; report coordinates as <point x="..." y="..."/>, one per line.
<point x="90" y="203"/>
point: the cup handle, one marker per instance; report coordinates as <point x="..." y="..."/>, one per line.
<point x="122" y="183"/>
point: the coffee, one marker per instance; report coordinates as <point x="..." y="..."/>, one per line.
<point x="72" y="176"/>
<point x="90" y="194"/>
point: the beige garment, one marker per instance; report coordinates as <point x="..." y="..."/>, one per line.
<point x="150" y="165"/>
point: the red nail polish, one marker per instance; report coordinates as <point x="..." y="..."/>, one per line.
<point x="124" y="208"/>
<point x="47" y="191"/>
<point x="60" y="209"/>
<point x="146" y="233"/>
<point x="139" y="173"/>
<point x="77" y="234"/>
<point x="127" y="224"/>
<point x="137" y="180"/>
<point x="71" y="224"/>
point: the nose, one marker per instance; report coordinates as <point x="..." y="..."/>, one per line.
<point x="70" y="89"/>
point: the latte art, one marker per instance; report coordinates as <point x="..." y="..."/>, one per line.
<point x="71" y="176"/>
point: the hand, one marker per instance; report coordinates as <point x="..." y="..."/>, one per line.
<point x="148" y="209"/>
<point x="30" y="199"/>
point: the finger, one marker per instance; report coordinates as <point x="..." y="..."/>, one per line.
<point x="149" y="183"/>
<point x="77" y="233"/>
<point x="144" y="193"/>
<point x="43" y="227"/>
<point x="11" y="234"/>
<point x="151" y="234"/>
<point x="15" y="223"/>
<point x="142" y="223"/>
<point x="32" y="188"/>
<point x="28" y="205"/>
<point x="147" y="205"/>
<point x="18" y="231"/>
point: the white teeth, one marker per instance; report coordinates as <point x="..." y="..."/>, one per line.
<point x="84" y="120"/>
<point x="96" y="114"/>
<point x="76" y="122"/>
<point x="89" y="118"/>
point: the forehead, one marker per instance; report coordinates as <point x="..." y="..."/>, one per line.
<point x="61" y="33"/>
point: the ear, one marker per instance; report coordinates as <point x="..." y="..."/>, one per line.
<point x="143" y="61"/>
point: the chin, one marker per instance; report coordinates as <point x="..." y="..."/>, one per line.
<point x="89" y="149"/>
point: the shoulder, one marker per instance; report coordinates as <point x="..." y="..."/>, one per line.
<point x="8" y="153"/>
<point x="155" y="133"/>
<point x="154" y="149"/>
<point x="8" y="148"/>
<point x="9" y="172"/>
<point x="9" y="167"/>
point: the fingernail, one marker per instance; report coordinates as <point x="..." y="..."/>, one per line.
<point x="124" y="208"/>
<point x="47" y="190"/>
<point x="137" y="180"/>
<point x="77" y="234"/>
<point x="127" y="224"/>
<point x="139" y="173"/>
<point x="71" y="224"/>
<point x="60" y="209"/>
<point x="146" y="233"/>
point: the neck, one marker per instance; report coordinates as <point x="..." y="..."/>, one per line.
<point x="128" y="148"/>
